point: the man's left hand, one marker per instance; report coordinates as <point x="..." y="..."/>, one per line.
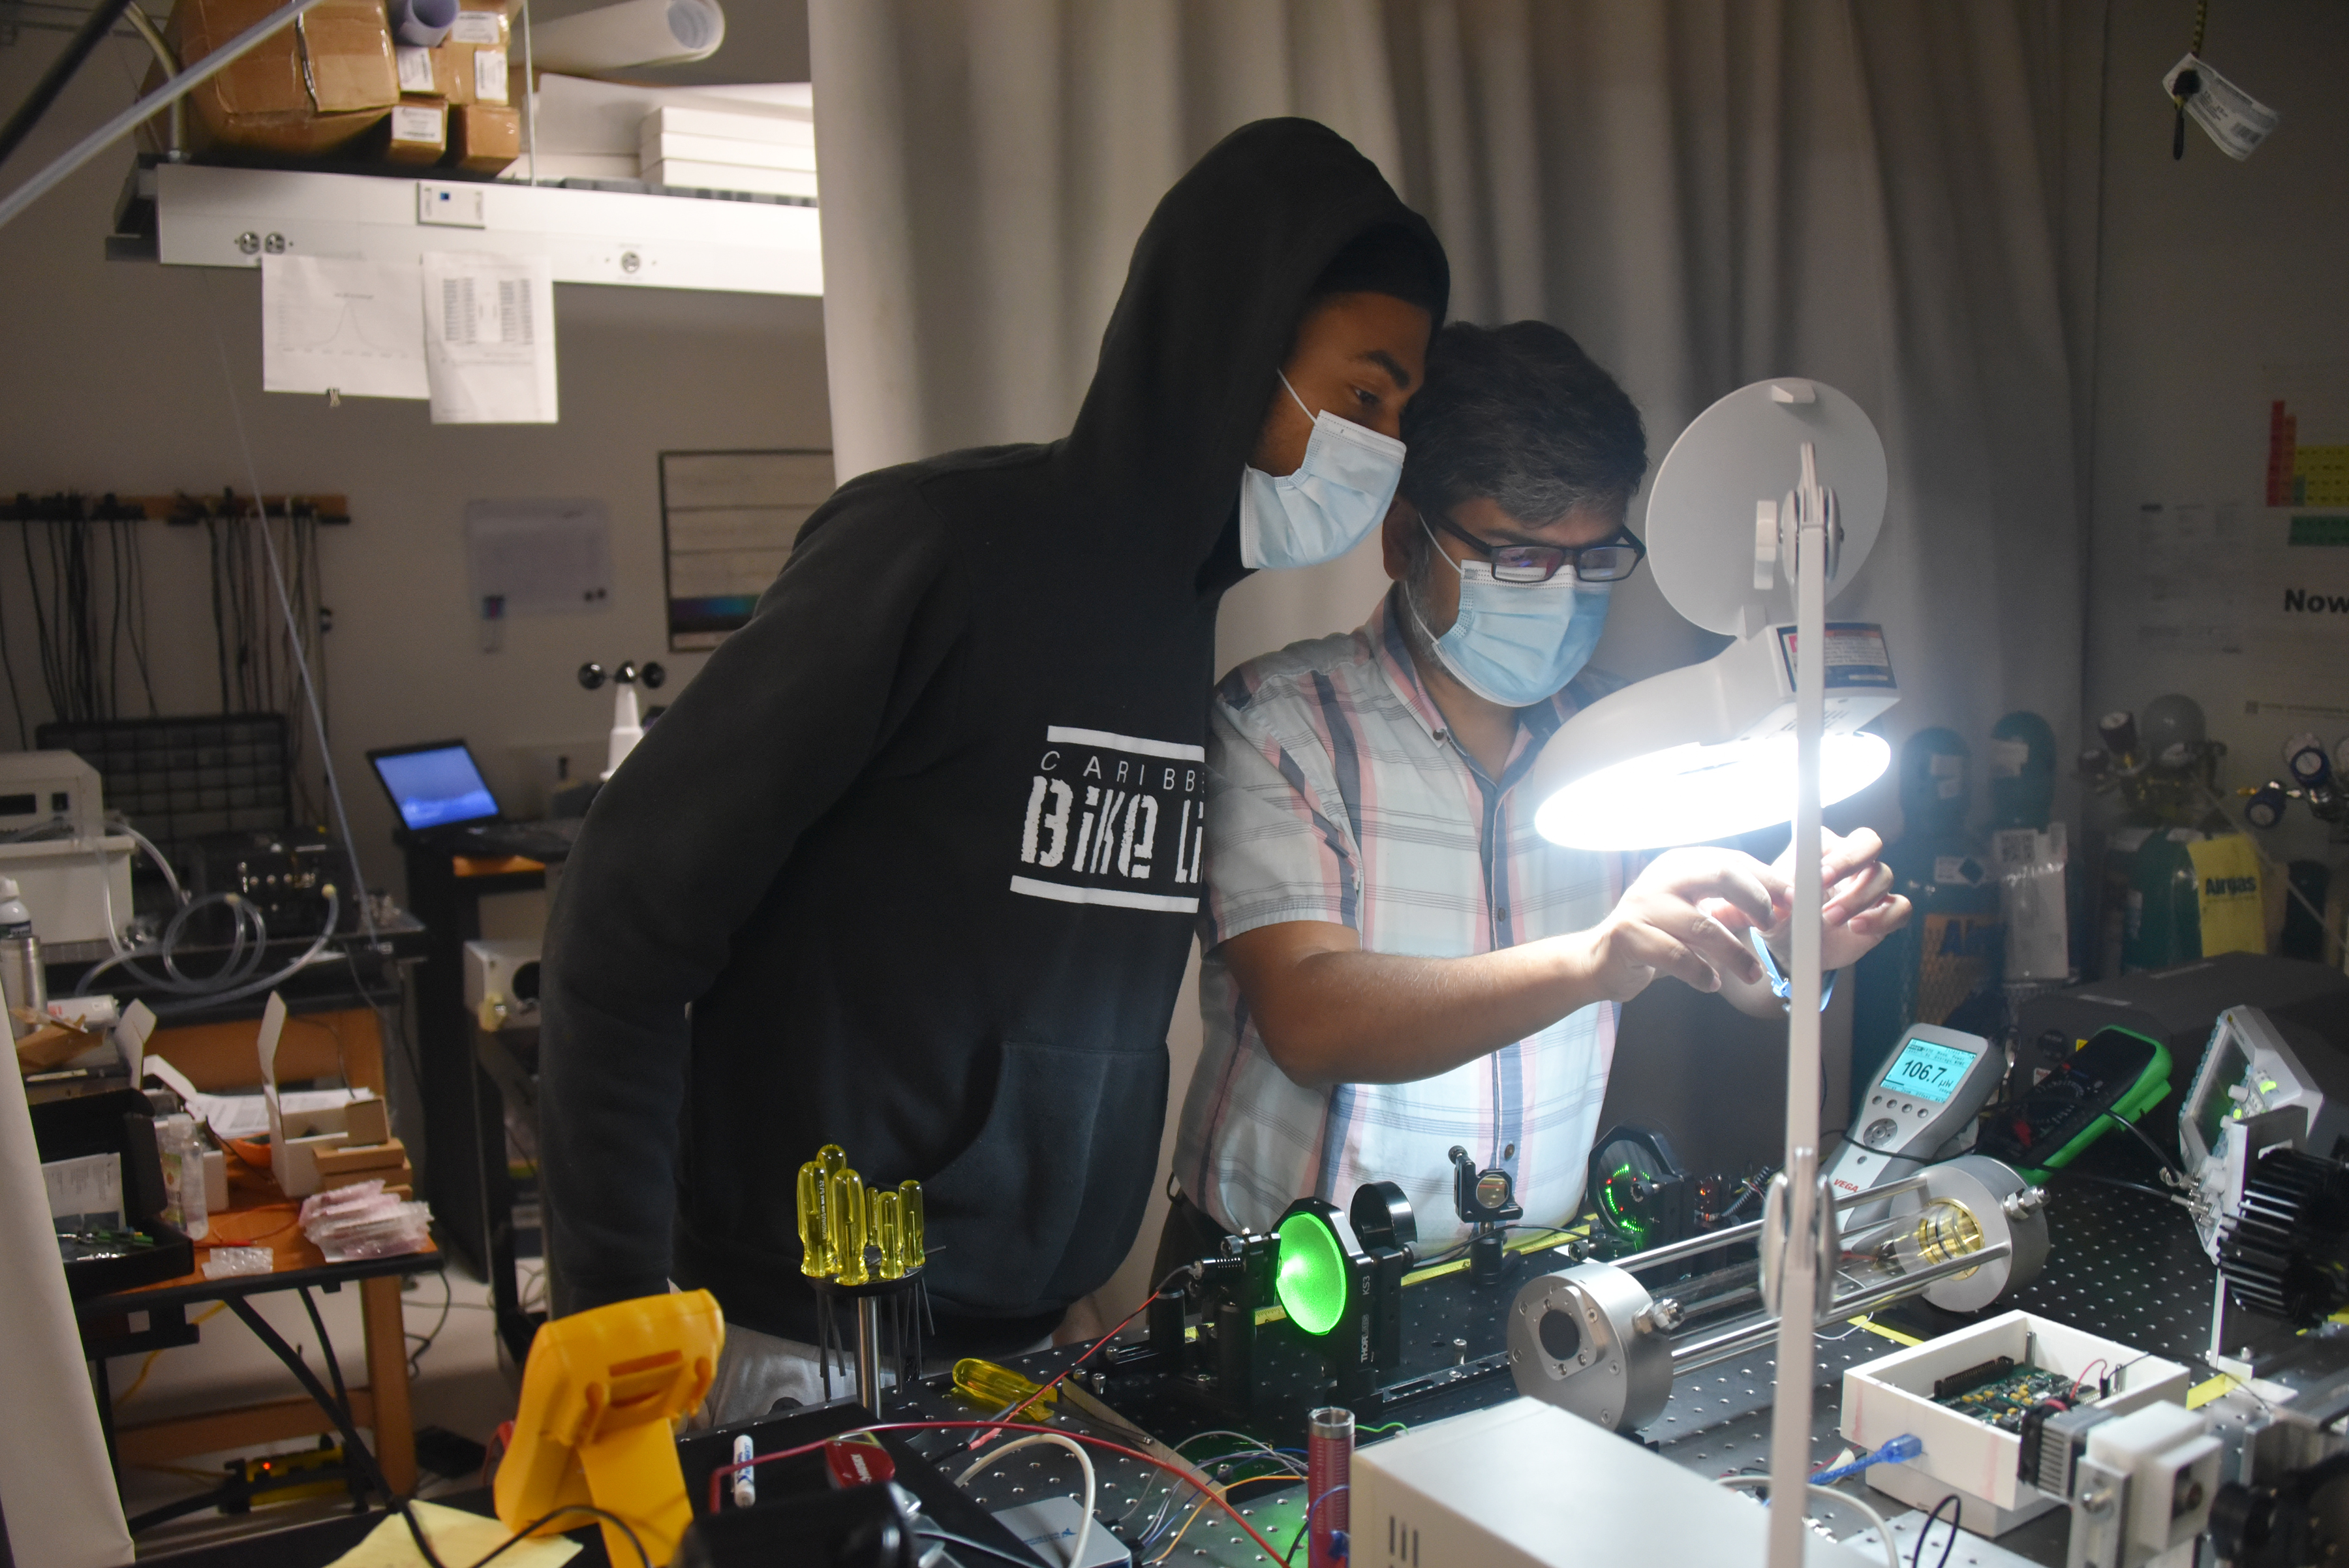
<point x="1860" y="909"/>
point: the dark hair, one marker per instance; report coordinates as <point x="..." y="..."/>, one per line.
<point x="1522" y="415"/>
<point x="1387" y="259"/>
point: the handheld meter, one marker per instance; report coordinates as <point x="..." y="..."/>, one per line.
<point x="1920" y="1107"/>
<point x="2262" y="1082"/>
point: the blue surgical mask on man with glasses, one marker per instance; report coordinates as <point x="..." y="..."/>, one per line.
<point x="1529" y="614"/>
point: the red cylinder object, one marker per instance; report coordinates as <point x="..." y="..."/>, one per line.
<point x="1328" y="1472"/>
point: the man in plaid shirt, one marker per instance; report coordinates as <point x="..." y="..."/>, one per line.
<point x="1396" y="962"/>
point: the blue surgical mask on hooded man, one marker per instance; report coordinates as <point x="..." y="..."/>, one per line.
<point x="1516" y="644"/>
<point x="1337" y="494"/>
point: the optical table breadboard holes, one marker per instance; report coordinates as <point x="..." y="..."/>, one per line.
<point x="1132" y="1496"/>
<point x="1718" y="1421"/>
<point x="2120" y="1264"/>
<point x="2124" y="1265"/>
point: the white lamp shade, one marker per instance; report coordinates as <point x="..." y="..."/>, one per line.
<point x="1694" y="794"/>
<point x="1707" y="751"/>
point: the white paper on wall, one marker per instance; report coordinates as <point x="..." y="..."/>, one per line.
<point x="489" y="337"/>
<point x="331" y="325"/>
<point x="538" y="556"/>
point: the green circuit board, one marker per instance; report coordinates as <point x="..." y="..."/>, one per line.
<point x="2004" y="1400"/>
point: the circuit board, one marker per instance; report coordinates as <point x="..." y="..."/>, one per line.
<point x="2007" y="1397"/>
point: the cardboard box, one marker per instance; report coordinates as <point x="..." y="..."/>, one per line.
<point x="295" y="1162"/>
<point x="315" y="87"/>
<point x="368" y="1120"/>
<point x="480" y="56"/>
<point x="431" y="73"/>
<point x="484" y="137"/>
<point x="416" y="131"/>
<point x="369" y="1158"/>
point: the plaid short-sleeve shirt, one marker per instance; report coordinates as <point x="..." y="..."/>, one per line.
<point x="1335" y="794"/>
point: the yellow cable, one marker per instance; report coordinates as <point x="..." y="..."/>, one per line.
<point x="148" y="1366"/>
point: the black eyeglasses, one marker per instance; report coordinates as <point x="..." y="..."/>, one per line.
<point x="1608" y="561"/>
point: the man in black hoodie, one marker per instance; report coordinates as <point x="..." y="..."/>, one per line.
<point x="912" y="865"/>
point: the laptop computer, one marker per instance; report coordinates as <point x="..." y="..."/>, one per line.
<point x="437" y="788"/>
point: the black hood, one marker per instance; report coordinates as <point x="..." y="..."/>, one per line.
<point x="1219" y="277"/>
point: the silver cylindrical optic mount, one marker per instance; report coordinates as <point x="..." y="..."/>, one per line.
<point x="1594" y="1341"/>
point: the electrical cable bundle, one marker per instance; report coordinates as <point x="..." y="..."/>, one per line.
<point x="85" y="571"/>
<point x="86" y="578"/>
<point x="260" y="667"/>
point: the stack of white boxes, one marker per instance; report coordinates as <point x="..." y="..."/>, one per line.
<point x="770" y="150"/>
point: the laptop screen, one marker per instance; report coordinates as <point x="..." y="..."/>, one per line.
<point x="436" y="786"/>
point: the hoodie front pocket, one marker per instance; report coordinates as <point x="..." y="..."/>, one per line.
<point x="1070" y="1140"/>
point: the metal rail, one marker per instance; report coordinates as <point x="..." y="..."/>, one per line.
<point x="1751" y="1229"/>
<point x="1736" y="1340"/>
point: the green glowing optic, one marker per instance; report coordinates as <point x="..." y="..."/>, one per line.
<point x="1633" y="1229"/>
<point x="1311" y="1281"/>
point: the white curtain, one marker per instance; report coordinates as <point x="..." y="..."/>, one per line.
<point x="1897" y="197"/>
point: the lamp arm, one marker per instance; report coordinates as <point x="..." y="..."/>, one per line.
<point x="1790" y="1429"/>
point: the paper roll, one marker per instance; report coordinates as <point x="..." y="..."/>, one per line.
<point x="634" y="33"/>
<point x="422" y="23"/>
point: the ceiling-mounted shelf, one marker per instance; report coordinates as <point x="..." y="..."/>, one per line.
<point x="208" y="215"/>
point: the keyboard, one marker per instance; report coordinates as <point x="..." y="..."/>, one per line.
<point x="547" y="841"/>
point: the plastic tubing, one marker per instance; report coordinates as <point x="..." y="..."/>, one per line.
<point x="254" y="988"/>
<point x="163" y="946"/>
<point x="242" y="913"/>
<point x="170" y="878"/>
<point x="212" y="989"/>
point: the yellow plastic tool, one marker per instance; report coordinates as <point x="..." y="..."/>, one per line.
<point x="888" y="1207"/>
<point x="839" y="1217"/>
<point x="597" y="1398"/>
<point x="844" y="1203"/>
<point x="910" y="1191"/>
<point x="815" y="1233"/>
<point x="985" y="1383"/>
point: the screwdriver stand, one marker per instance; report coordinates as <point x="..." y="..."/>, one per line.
<point x="903" y="1301"/>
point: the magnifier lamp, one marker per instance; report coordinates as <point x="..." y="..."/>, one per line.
<point x="1778" y="486"/>
<point x="1708" y="751"/>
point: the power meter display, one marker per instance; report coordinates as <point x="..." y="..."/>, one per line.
<point x="1920" y="1108"/>
<point x="1929" y="1071"/>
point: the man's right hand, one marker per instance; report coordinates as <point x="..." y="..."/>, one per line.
<point x="1661" y="925"/>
